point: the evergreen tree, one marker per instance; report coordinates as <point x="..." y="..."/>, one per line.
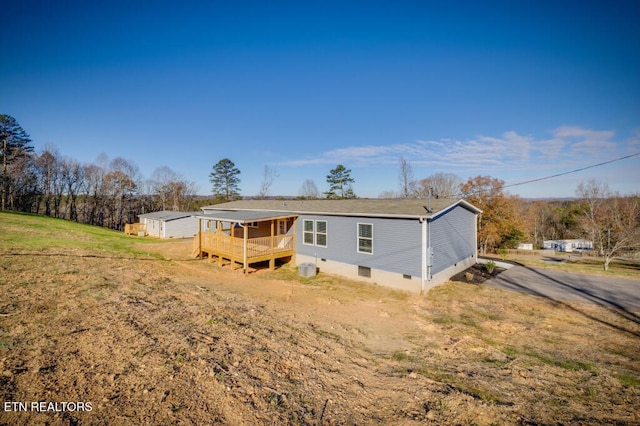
<point x="15" y="142"/>
<point x="340" y="181"/>
<point x="225" y="180"/>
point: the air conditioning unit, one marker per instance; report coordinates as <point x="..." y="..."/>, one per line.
<point x="307" y="270"/>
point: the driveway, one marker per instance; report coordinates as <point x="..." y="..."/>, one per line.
<point x="619" y="293"/>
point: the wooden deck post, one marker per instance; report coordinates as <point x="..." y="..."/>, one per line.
<point x="293" y="243"/>
<point x="272" y="261"/>
<point x="200" y="239"/>
<point x="219" y="235"/>
<point x="244" y="251"/>
<point x="232" y="230"/>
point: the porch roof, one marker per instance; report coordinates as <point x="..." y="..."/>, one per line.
<point x="246" y="216"/>
<point x="166" y="215"/>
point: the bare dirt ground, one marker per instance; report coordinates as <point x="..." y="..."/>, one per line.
<point x="182" y="341"/>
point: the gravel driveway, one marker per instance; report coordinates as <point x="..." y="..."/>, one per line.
<point x="619" y="293"/>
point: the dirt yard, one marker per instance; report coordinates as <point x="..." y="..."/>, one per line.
<point x="158" y="338"/>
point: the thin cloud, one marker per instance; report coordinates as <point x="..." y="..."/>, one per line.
<point x="633" y="143"/>
<point x="358" y="155"/>
<point x="509" y="150"/>
<point x="585" y="141"/>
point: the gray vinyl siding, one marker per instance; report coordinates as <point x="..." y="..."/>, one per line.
<point x="178" y="228"/>
<point x="396" y="243"/>
<point x="452" y="238"/>
<point x="181" y="228"/>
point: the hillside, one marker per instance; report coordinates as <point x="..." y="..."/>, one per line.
<point x="141" y="334"/>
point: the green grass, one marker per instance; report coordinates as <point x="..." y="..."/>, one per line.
<point x="567" y="364"/>
<point x="628" y="380"/>
<point x="21" y="232"/>
<point x="584" y="265"/>
<point x="400" y="356"/>
<point x="467" y="387"/>
<point x="509" y="351"/>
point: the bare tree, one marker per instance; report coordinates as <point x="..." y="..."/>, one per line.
<point x="593" y="195"/>
<point x="121" y="183"/>
<point x="405" y="179"/>
<point x="309" y="189"/>
<point x="171" y="190"/>
<point x="442" y="185"/>
<point x="388" y="194"/>
<point x="610" y="220"/>
<point x="166" y="186"/>
<point x="22" y="184"/>
<point x="72" y="177"/>
<point x="269" y="174"/>
<point x="92" y="211"/>
<point x="50" y="176"/>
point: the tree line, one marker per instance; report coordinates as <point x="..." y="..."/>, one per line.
<point x="112" y="192"/>
<point x="108" y="192"/>
<point x="608" y="219"/>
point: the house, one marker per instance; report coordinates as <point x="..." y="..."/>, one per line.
<point x="408" y="244"/>
<point x="169" y="224"/>
<point x="568" y="246"/>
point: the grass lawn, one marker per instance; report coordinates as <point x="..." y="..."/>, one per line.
<point x="148" y="335"/>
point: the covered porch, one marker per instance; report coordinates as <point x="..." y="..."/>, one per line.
<point x="245" y="237"/>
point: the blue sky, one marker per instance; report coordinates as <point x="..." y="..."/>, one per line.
<point x="514" y="90"/>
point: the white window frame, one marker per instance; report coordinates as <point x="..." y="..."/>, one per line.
<point x="315" y="232"/>
<point x="305" y="232"/>
<point x="359" y="237"/>
<point x="325" y="233"/>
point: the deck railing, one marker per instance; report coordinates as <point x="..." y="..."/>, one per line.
<point x="225" y="245"/>
<point x="135" y="228"/>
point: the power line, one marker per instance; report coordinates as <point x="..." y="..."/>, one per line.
<point x="573" y="171"/>
<point x="556" y="175"/>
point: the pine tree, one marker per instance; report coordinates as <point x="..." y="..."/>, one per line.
<point x="14" y="142"/>
<point x="340" y="181"/>
<point x="225" y="181"/>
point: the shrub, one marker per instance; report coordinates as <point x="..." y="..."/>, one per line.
<point x="490" y="266"/>
<point x="504" y="253"/>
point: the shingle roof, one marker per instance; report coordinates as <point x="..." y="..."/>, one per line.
<point x="167" y="215"/>
<point x="401" y="207"/>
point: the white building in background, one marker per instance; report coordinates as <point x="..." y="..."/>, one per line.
<point x="568" y="246"/>
<point x="170" y="224"/>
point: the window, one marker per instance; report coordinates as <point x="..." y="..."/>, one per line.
<point x="282" y="227"/>
<point x="308" y="232"/>
<point x="314" y="232"/>
<point x="321" y="233"/>
<point x="365" y="238"/>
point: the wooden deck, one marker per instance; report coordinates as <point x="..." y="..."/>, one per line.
<point x="135" y="228"/>
<point x="234" y="249"/>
